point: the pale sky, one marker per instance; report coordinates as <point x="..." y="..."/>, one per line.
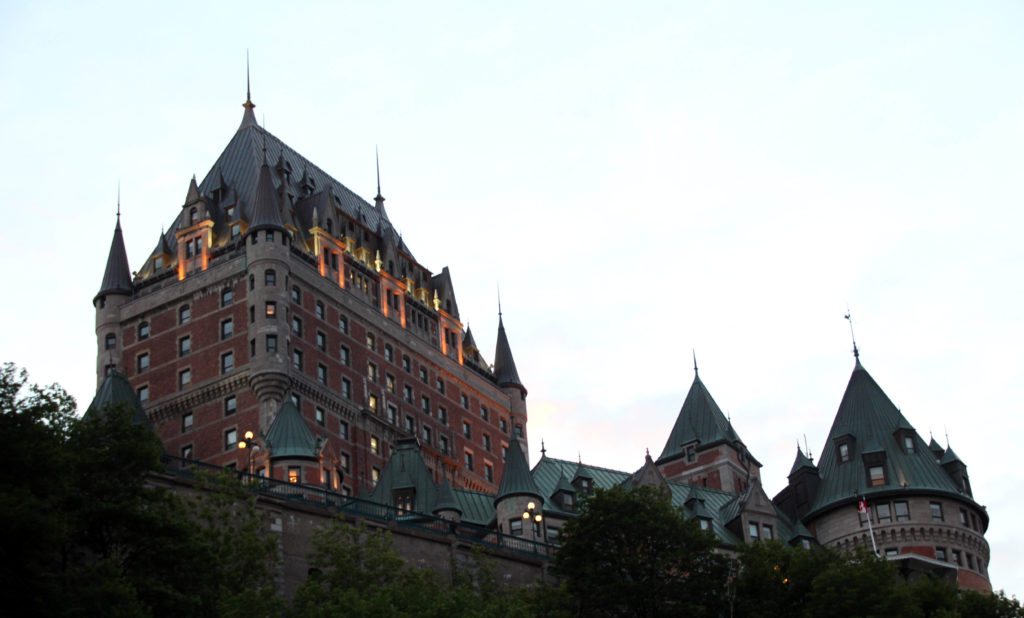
<point x="641" y="180"/>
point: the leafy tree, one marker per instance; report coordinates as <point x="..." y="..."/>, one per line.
<point x="631" y="553"/>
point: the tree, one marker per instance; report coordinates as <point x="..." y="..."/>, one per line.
<point x="631" y="553"/>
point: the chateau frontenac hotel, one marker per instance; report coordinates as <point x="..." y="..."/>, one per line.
<point x="279" y="302"/>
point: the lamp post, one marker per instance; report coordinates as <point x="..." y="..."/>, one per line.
<point x="250" y="443"/>
<point x="532" y="514"/>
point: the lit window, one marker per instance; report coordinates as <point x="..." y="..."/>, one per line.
<point x="186" y="421"/>
<point x="184" y="346"/>
<point x="374" y="475"/>
<point x="936" y="509"/>
<point x="227" y="362"/>
<point x="227" y="328"/>
<point x="374" y="445"/>
<point x="293" y="474"/>
<point x="230" y="405"/>
<point x="389" y="382"/>
<point x="142" y="362"/>
<point x="143" y="393"/>
<point x="184" y="378"/>
<point x="110" y="341"/>
<point x="371" y="402"/>
<point x="143" y="330"/>
<point x="271" y="310"/>
<point x="184" y="314"/>
<point x="230" y="439"/>
<point x="227" y="296"/>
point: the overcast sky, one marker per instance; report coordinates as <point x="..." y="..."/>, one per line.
<point x="641" y="181"/>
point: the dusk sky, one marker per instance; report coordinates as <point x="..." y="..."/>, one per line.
<point x="641" y="180"/>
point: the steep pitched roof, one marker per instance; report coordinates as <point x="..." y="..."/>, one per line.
<point x="516" y="480"/>
<point x="700" y="420"/>
<point x="289" y="436"/>
<point x="266" y="208"/>
<point x="442" y="282"/>
<point x="116" y="390"/>
<point x="446" y="499"/>
<point x="648" y="475"/>
<point x="504" y="366"/>
<point x="871" y="420"/>
<point x="406" y="470"/>
<point x="802" y="461"/>
<point x="117" y="276"/>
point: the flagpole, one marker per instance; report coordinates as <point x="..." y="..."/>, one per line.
<point x="862" y="506"/>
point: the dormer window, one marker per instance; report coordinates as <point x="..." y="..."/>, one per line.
<point x="405" y="500"/>
<point x="158" y="262"/>
<point x="193" y="216"/>
<point x="908" y="444"/>
<point x="691" y="453"/>
<point x="705" y="523"/>
<point x="876" y="475"/>
<point x="844" y="452"/>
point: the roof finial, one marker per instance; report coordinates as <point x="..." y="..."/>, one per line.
<point x="119" y="201"/>
<point x="807" y="449"/>
<point x="499" y="301"/>
<point x="248" y="89"/>
<point x="694" y="361"/>
<point x="543" y="451"/>
<point x="856" y="352"/>
<point x="376" y="153"/>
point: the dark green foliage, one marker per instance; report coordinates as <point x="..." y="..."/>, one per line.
<point x="631" y="553"/>
<point x="86" y="533"/>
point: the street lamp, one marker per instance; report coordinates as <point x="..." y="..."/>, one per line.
<point x="533" y="514"/>
<point x="252" y="444"/>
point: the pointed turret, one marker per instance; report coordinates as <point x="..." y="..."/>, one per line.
<point x="504" y="365"/>
<point x="936" y="449"/>
<point x="117" y="276"/>
<point x="447" y="507"/>
<point x="248" y="117"/>
<point x="378" y="201"/>
<point x="516" y="479"/>
<point x="405" y="482"/>
<point x="266" y="209"/>
<point x="700" y="422"/>
<point x="117" y="391"/>
<point x="801" y="462"/>
<point x="289" y="437"/>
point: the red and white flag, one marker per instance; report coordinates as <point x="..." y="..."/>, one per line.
<point x="862" y="506"/>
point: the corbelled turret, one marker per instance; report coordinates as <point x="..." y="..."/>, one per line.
<point x="507" y="377"/>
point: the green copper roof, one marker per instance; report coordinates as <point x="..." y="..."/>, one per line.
<point x="289" y="435"/>
<point x="869" y="418"/>
<point x="802" y="461"/>
<point x="446" y="499"/>
<point x="476" y="508"/>
<point x="116" y="390"/>
<point x="563" y="485"/>
<point x="504" y="365"/>
<point x="949" y="457"/>
<point x="700" y="420"/>
<point x="117" y="276"/>
<point x="406" y="470"/>
<point x="516" y="479"/>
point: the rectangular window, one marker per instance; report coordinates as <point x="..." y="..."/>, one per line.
<point x="293" y="474"/>
<point x="902" y="510"/>
<point x="410" y="424"/>
<point x="753" y="531"/>
<point x="346" y="388"/>
<point x="227" y="328"/>
<point x="442" y="443"/>
<point x="297" y="326"/>
<point x="484" y="413"/>
<point x="297" y="359"/>
<point x="963" y="517"/>
<point x="908" y="444"/>
<point x="467" y="430"/>
<point x="184" y="314"/>
<point x="970" y="561"/>
<point x="343" y="324"/>
<point x="186" y="421"/>
<point x="186" y="451"/>
<point x="408" y="393"/>
<point x="958" y="558"/>
<point x="142" y="362"/>
<point x="406" y="363"/>
<point x="346" y="357"/>
<point x="767" y="532"/>
<point x="439" y="384"/>
<point x="392" y="413"/>
<point x="371" y="402"/>
<point x="503" y="425"/>
<point x="891" y="552"/>
<point x="230" y="405"/>
<point x="321" y="373"/>
<point x="320" y="309"/>
<point x="371" y="371"/>
<point x="489" y="472"/>
<point x="425" y="404"/>
<point x="374" y="445"/>
<point x="271" y="310"/>
<point x="442" y="415"/>
<point x="389" y="353"/>
<point x="389" y="382"/>
<point x="343" y="430"/>
<point x="940" y="553"/>
<point x="184" y="346"/>
<point x="374" y="475"/>
<point x="143" y="330"/>
<point x="184" y="378"/>
<point x="227" y="362"/>
<point x="321" y="341"/>
<point x="227" y="296"/>
<point x="468" y="458"/>
<point x="427" y="435"/>
<point x="319" y="416"/>
<point x="844" y="452"/>
<point x="230" y="439"/>
<point x="143" y="393"/>
<point x="464" y="400"/>
<point x="296" y="294"/>
<point x="272" y="343"/>
<point x="487" y="442"/>
<point x="883" y="512"/>
<point x="269" y="277"/>
<point x="423" y="375"/>
<point x="345" y="465"/>
<point x="515" y="526"/>
<point x="974" y="522"/>
<point x="371" y="341"/>
<point x="876" y="476"/>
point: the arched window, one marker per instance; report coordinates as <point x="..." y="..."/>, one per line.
<point x="269" y="277"/>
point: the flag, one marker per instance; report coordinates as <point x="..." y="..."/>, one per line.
<point x="862" y="506"/>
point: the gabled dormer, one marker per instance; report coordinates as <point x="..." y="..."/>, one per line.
<point x="564" y="495"/>
<point x="195" y="233"/>
<point x="583" y="480"/>
<point x="957" y="471"/>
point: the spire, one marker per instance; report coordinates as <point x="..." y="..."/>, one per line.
<point x="695" y="372"/>
<point x="117" y="276"/>
<point x="248" y="117"/>
<point x="378" y="201"/>
<point x="856" y="352"/>
<point x="504" y="365"/>
<point x="802" y="461"/>
<point x="516" y="479"/>
<point x="266" y="210"/>
<point x="700" y="421"/>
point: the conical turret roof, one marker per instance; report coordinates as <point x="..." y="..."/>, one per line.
<point x="700" y="421"/>
<point x="406" y="470"/>
<point x="869" y="423"/>
<point x="802" y="461"/>
<point x="504" y="365"/>
<point x="116" y="390"/>
<point x="117" y="276"/>
<point x="516" y="480"/>
<point x="266" y="208"/>
<point x="446" y="499"/>
<point x="289" y="436"/>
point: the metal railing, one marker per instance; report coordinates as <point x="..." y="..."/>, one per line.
<point x="359" y="507"/>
